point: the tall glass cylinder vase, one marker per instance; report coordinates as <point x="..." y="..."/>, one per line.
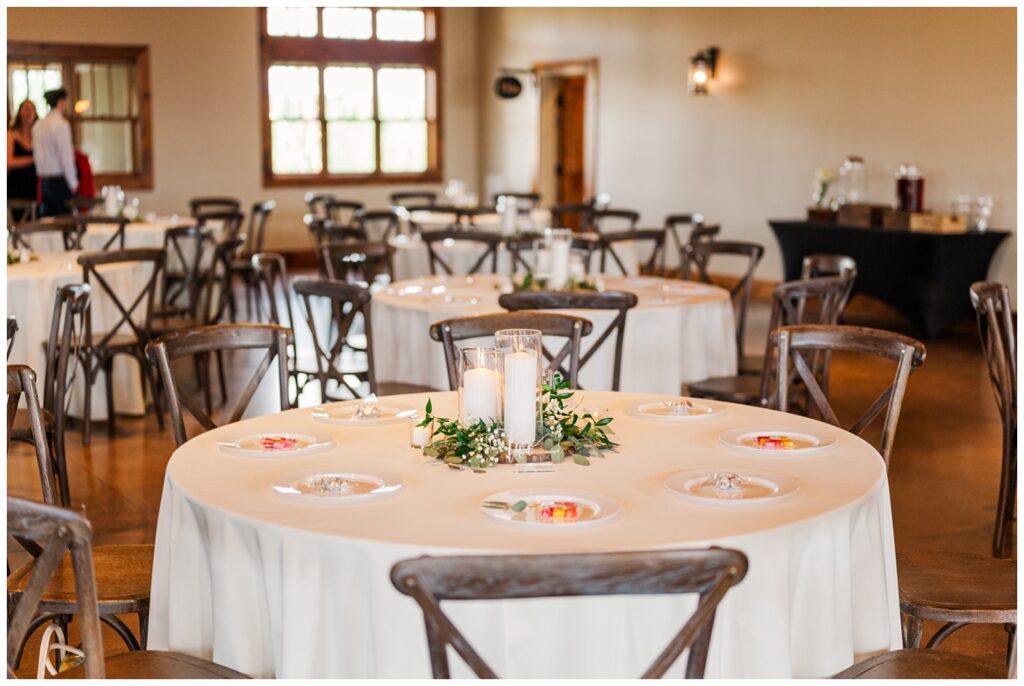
<point x="559" y="245"/>
<point x="522" y="371"/>
<point x="479" y="376"/>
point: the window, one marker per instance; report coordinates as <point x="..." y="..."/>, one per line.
<point x="350" y="95"/>
<point x="108" y="92"/>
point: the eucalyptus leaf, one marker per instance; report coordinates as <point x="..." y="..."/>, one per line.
<point x="518" y="506"/>
<point x="580" y="460"/>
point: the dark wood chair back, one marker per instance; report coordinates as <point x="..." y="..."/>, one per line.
<point x="816" y="266"/>
<point x="451" y="215"/>
<point x="709" y="573"/>
<point x="406" y="198"/>
<point x="70" y="233"/>
<point x="216" y="205"/>
<point x="572" y="216"/>
<point x="21" y="211"/>
<point x="655" y="238"/>
<point x="606" y="220"/>
<point x="617" y="301"/>
<point x="347" y="302"/>
<point x="696" y="260"/>
<point x="275" y="305"/>
<point x="357" y="261"/>
<point x="186" y="248"/>
<point x="116" y="240"/>
<point x="128" y="305"/>
<point x="12" y="331"/>
<point x="327" y="231"/>
<point x="21" y="384"/>
<point x="316" y="202"/>
<point x="80" y="205"/>
<point x="550" y="324"/>
<point x="991" y="302"/>
<point x="229" y="223"/>
<point x="582" y="246"/>
<point x="524" y="201"/>
<point x="217" y="282"/>
<point x="343" y="211"/>
<point x="59" y="531"/>
<point x="489" y="241"/>
<point x="203" y="340"/>
<point x="256" y="234"/>
<point x="795" y="342"/>
<point x="698" y="232"/>
<point x="377" y="225"/>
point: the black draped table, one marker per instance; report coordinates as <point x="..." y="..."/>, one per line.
<point x="924" y="276"/>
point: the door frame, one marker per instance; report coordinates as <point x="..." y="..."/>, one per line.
<point x="587" y="67"/>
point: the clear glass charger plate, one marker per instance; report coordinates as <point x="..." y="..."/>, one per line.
<point x="658" y="411"/>
<point x="755" y="487"/>
<point x="346" y="414"/>
<point x="277" y="444"/>
<point x="337" y="486"/>
<point x="799" y="442"/>
<point x="592" y="508"/>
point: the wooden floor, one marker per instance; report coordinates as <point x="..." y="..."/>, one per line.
<point x="943" y="479"/>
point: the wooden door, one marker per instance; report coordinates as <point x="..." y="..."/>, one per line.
<point x="569" y="169"/>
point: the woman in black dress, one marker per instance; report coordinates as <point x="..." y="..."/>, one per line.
<point x="21" y="170"/>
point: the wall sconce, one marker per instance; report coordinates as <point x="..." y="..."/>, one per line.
<point x="702" y="70"/>
<point x="81" y="106"/>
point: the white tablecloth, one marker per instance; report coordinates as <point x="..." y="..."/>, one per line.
<point x="538" y="219"/>
<point x="31" y="289"/>
<point x="272" y="587"/>
<point x="671" y="337"/>
<point x="143" y="234"/>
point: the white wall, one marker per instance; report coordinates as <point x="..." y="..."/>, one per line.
<point x="204" y="71"/>
<point x="796" y="89"/>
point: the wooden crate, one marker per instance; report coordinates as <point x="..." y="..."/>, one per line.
<point x="898" y="220"/>
<point x="864" y="215"/>
<point x="821" y="215"/>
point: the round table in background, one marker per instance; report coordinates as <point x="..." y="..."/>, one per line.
<point x="31" y="289"/>
<point x="138" y="234"/>
<point x="277" y="588"/>
<point x="680" y="332"/>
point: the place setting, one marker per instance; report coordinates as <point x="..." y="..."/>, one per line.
<point x="337" y="487"/>
<point x="676" y="410"/>
<point x="730" y="487"/>
<point x="368" y="412"/>
<point x="277" y="444"/>
<point x="769" y="440"/>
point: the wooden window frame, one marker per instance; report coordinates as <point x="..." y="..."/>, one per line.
<point x="70" y="53"/>
<point x="324" y="52"/>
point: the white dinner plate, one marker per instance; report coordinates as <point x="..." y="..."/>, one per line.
<point x="657" y="411"/>
<point x="804" y="443"/>
<point x="296" y="444"/>
<point x="753" y="488"/>
<point x="346" y="414"/>
<point x="336" y="486"/>
<point x="594" y="508"/>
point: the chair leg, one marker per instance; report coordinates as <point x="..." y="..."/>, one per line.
<point x="912" y="637"/>
<point x="87" y="404"/>
<point x="1011" y="644"/>
<point x="222" y="378"/>
<point x="1007" y="495"/>
<point x="144" y="626"/>
<point x="122" y="630"/>
<point x="108" y="373"/>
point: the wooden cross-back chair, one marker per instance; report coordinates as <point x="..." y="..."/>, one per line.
<point x="116" y="240"/>
<point x="203" y="340"/>
<point x="816" y="266"/>
<point x="123" y="571"/>
<point x="617" y="301"/>
<point x="274" y="305"/>
<point x="316" y="203"/>
<point x="328" y="231"/>
<point x="378" y="225"/>
<point x="673" y="223"/>
<point x="330" y="343"/>
<point x="655" y="238"/>
<point x="241" y="265"/>
<point x="406" y="198"/>
<point x="991" y="302"/>
<point x="126" y="336"/>
<point x="551" y="324"/>
<point x="70" y="233"/>
<point x="21" y="211"/>
<point x="793" y="343"/>
<point x="343" y="212"/>
<point x="582" y="246"/>
<point x="81" y="205"/>
<point x="213" y="204"/>
<point x="12" y="331"/>
<point x="695" y="267"/>
<point x="599" y="218"/>
<point x="525" y="202"/>
<point x="186" y="248"/>
<point x="489" y="241"/>
<point x="225" y="225"/>
<point x="790" y="300"/>
<point x="572" y="216"/>
<point x="710" y="573"/>
<point x="357" y="261"/>
<point x="68" y="558"/>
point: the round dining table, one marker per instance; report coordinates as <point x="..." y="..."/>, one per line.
<point x="144" y="233"/>
<point x="274" y="584"/>
<point x="31" y="289"/>
<point x="680" y="331"/>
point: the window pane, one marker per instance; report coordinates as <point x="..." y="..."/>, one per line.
<point x="30" y="82"/>
<point x="408" y="25"/>
<point x="401" y="93"/>
<point x="108" y="145"/>
<point x="85" y="105"/>
<point x="354" y="23"/>
<point x="291" y="21"/>
<point x="101" y="93"/>
<point x="348" y="92"/>
<point x="294" y="92"/>
<point x="350" y="147"/>
<point x="119" y="90"/>
<point x="403" y="146"/>
<point x="295" y="147"/>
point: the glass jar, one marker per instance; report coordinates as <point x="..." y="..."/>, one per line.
<point x="522" y="361"/>
<point x="479" y="376"/>
<point x="909" y="189"/>
<point x="853" y="181"/>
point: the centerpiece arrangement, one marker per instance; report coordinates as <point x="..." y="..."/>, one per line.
<point x="511" y="411"/>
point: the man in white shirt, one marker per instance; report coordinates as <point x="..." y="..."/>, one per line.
<point x="54" y="155"/>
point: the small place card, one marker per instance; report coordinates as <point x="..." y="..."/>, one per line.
<point x="532" y="468"/>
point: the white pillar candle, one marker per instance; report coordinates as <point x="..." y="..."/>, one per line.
<point x="480" y="392"/>
<point x="509" y="216"/>
<point x="521" y="397"/>
<point x="420" y="434"/>
<point x="559" y="273"/>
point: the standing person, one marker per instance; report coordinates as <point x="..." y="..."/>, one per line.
<point x="55" y="155"/>
<point x="21" y="168"/>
